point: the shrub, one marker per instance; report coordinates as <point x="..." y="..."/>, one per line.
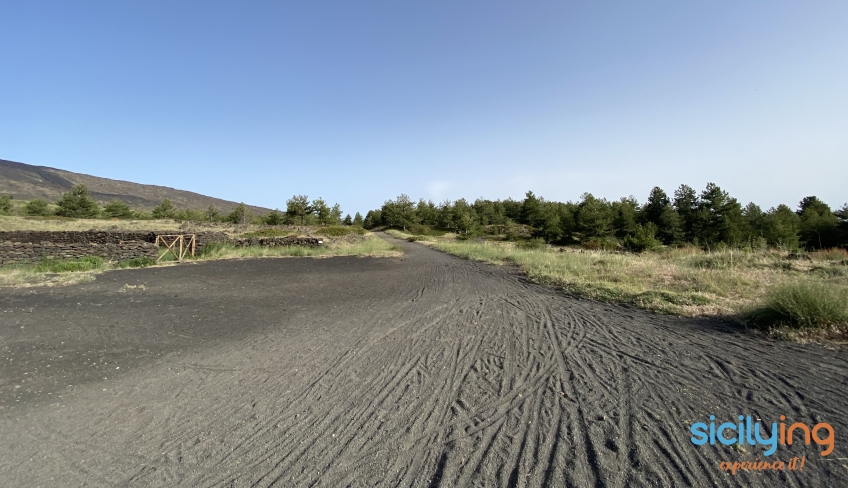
<point x="118" y="210"/>
<point x="644" y="239"/>
<point x="274" y="217"/>
<point x="37" y="207"/>
<point x="531" y="244"/>
<point x="601" y="244"/>
<point x="164" y="210"/>
<point x="424" y="230"/>
<point x="240" y="215"/>
<point x="803" y="304"/>
<point x="5" y="204"/>
<point x="78" y="204"/>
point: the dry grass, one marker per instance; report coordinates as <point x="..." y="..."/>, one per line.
<point x="67" y="272"/>
<point x="21" y="277"/>
<point x="52" y="223"/>
<point x="686" y="281"/>
<point x="12" y="223"/>
<point x="368" y="246"/>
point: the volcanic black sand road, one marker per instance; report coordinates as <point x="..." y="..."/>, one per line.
<point x="420" y="371"/>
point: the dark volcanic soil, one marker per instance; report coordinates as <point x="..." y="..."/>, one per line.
<point x="421" y="371"/>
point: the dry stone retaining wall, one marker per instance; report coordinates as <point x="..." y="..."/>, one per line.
<point x="34" y="246"/>
<point x="278" y="241"/>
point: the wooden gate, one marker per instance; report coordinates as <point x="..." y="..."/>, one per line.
<point x="178" y="245"/>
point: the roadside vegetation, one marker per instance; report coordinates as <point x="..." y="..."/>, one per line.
<point x="77" y="203"/>
<point x="779" y="270"/>
<point x="56" y="272"/>
<point x="367" y="246"/>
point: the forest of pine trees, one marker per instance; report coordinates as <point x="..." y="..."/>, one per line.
<point x="710" y="219"/>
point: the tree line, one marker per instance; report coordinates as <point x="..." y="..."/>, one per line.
<point x="78" y="203"/>
<point x="710" y="219"/>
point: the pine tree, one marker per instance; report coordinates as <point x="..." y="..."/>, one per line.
<point x="78" y="204"/>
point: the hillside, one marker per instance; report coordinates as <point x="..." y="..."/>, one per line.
<point x="26" y="182"/>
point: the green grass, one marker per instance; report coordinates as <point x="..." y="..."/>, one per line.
<point x="267" y="233"/>
<point x="804" y="304"/>
<point x="368" y="246"/>
<point x="90" y="263"/>
<point x="340" y="231"/>
<point x="53" y="272"/>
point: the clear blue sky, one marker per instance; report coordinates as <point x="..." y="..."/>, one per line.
<point x="360" y="101"/>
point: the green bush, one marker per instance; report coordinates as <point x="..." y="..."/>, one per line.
<point x="274" y="217"/>
<point x="644" y="239"/>
<point x="803" y="304"/>
<point x="117" y="209"/>
<point x="601" y="244"/>
<point x="164" y="210"/>
<point x="77" y="203"/>
<point x="531" y="244"/>
<point x="37" y="207"/>
<point x="424" y="230"/>
<point x="5" y="204"/>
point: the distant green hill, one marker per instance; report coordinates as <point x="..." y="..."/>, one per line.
<point x="27" y="182"/>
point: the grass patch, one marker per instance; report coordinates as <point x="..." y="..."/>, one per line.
<point x="52" y="272"/>
<point x="56" y="223"/>
<point x="267" y="233"/>
<point x="833" y="254"/>
<point x="804" y="304"/>
<point x="370" y="245"/>
<point x="686" y="281"/>
<point x="89" y="263"/>
<point x="340" y="231"/>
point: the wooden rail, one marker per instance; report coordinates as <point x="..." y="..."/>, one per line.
<point x="186" y="242"/>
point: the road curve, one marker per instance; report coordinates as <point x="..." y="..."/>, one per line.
<point x="425" y="370"/>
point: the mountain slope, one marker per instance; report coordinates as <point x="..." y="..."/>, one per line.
<point x="26" y="182"/>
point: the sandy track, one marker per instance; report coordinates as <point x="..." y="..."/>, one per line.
<point x="421" y="371"/>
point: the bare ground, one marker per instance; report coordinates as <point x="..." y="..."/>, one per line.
<point x="425" y="370"/>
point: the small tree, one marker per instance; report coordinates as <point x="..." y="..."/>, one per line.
<point x="77" y="203"/>
<point x="274" y="217"/>
<point x="165" y="210"/>
<point x="118" y="210"/>
<point x="818" y="224"/>
<point x="372" y="219"/>
<point x="5" y="204"/>
<point x="643" y="238"/>
<point x="348" y="220"/>
<point x="239" y="215"/>
<point x="336" y="214"/>
<point x="322" y="211"/>
<point x="357" y="219"/>
<point x="212" y="213"/>
<point x="298" y="208"/>
<point x="37" y="207"/>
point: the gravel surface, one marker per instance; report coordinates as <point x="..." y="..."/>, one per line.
<point x="425" y="370"/>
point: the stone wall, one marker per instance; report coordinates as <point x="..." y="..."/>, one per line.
<point x="28" y="252"/>
<point x="34" y="246"/>
<point x="278" y="241"/>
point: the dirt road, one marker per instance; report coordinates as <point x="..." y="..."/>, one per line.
<point x="425" y="370"/>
